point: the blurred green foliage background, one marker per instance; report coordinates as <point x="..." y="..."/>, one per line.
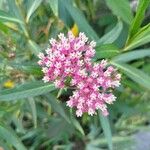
<point x="31" y="116"/>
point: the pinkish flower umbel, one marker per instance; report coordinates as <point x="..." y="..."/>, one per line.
<point x="93" y="90"/>
<point x="66" y="57"/>
<point x="70" y="57"/>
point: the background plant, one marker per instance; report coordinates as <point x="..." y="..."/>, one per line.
<point x="31" y="115"/>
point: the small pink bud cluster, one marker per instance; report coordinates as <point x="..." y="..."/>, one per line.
<point x="70" y="58"/>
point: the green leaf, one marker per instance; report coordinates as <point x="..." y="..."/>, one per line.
<point x="9" y="136"/>
<point x="4" y="16"/>
<point x="130" y="56"/>
<point x="107" y="130"/>
<point x="25" y="91"/>
<point x="57" y="107"/>
<point x="140" y="14"/>
<point x="33" y="109"/>
<point x="76" y="123"/>
<point x="146" y="68"/>
<point x="34" y="4"/>
<point x="58" y="129"/>
<point x="4" y="29"/>
<point x="135" y="74"/>
<point x="80" y="20"/>
<point x="4" y="145"/>
<point x="30" y="67"/>
<point x="1" y="4"/>
<point x="34" y="47"/>
<point x="121" y="8"/>
<point x="17" y="121"/>
<point x="117" y="140"/>
<point x="64" y="15"/>
<point x="111" y="36"/>
<point x="106" y="51"/>
<point x="15" y="10"/>
<point x="92" y="147"/>
<point x="140" y="38"/>
<point x="54" y="6"/>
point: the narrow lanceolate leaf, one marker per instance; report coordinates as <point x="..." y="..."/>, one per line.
<point x="76" y="123"/>
<point x="107" y="130"/>
<point x="140" y="38"/>
<point x="33" y="110"/>
<point x="111" y="36"/>
<point x="9" y="136"/>
<point x="30" y="67"/>
<point x="4" y="16"/>
<point x="34" y="47"/>
<point x="80" y="20"/>
<point x="133" y="55"/>
<point x="64" y="15"/>
<point x="106" y="51"/>
<point x="25" y="91"/>
<point x="121" y="8"/>
<point x="33" y="6"/>
<point x="54" y="6"/>
<point x="15" y="11"/>
<point x="140" y="13"/>
<point x="135" y="74"/>
<point x="57" y="107"/>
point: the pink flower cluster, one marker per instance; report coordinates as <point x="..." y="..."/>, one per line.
<point x="68" y="61"/>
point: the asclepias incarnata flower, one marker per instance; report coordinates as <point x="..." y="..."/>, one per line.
<point x="70" y="59"/>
